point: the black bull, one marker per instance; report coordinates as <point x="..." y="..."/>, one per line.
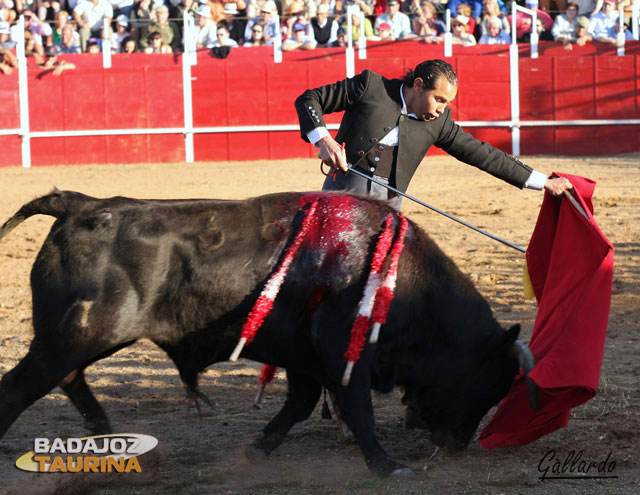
<point x="186" y="273"/>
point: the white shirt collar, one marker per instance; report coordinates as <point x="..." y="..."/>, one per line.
<point x="404" y="105"/>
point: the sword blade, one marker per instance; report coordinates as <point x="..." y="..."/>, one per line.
<point x="437" y="210"/>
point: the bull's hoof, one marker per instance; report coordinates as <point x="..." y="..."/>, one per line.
<point x="402" y="472"/>
<point x="255" y="453"/>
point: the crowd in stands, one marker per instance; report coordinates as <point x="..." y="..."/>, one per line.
<point x="55" y="27"/>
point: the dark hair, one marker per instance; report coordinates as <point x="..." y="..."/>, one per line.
<point x="430" y="71"/>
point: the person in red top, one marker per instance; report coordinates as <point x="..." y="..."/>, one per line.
<point x="523" y="21"/>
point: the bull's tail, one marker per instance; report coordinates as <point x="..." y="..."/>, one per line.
<point x="57" y="204"/>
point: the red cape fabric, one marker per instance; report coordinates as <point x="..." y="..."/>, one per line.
<point x="570" y="264"/>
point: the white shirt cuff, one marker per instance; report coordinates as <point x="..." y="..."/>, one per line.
<point x="536" y="181"/>
<point x="317" y="134"/>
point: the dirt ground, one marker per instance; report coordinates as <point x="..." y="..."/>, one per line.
<point x="142" y="393"/>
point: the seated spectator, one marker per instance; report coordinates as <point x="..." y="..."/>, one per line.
<point x="300" y="40"/>
<point x="144" y="14"/>
<point x="7" y="12"/>
<point x="69" y="42"/>
<point x="93" y="45"/>
<point x="400" y="24"/>
<point x="580" y="36"/>
<point x="325" y="27"/>
<point x="543" y="34"/>
<point x="426" y="25"/>
<point x="492" y="11"/>
<point x="495" y="35"/>
<point x="460" y="32"/>
<point x="156" y="44"/>
<point x="41" y="31"/>
<point x="234" y="25"/>
<point x="356" y="27"/>
<point x="602" y="26"/>
<point x="121" y="7"/>
<point x="90" y="16"/>
<point x="384" y="32"/>
<point x="297" y="15"/>
<point x="341" y="38"/>
<point x="257" y="36"/>
<point x="121" y="32"/>
<point x="8" y="60"/>
<point x="523" y="21"/>
<point x="129" y="45"/>
<point x="60" y="20"/>
<point x="206" y="30"/>
<point x="464" y="10"/>
<point x="171" y="34"/>
<point x="267" y="18"/>
<point x="223" y="38"/>
<point x="5" y="36"/>
<point x="564" y="27"/>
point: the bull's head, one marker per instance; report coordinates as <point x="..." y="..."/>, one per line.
<point x="467" y="384"/>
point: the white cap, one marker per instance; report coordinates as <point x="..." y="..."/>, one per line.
<point x="204" y="11"/>
<point x="122" y="20"/>
<point x="269" y="6"/>
<point x="230" y="8"/>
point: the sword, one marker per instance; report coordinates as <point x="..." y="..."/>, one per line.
<point x="437" y="210"/>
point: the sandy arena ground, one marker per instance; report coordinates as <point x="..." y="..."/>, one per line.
<point x="142" y="393"/>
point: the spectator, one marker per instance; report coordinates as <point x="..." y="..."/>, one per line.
<point x="465" y="11"/>
<point x="69" y="41"/>
<point x="223" y="38"/>
<point x="129" y="45"/>
<point x="47" y="10"/>
<point x="564" y="27"/>
<point x="356" y="27"/>
<point x="121" y="7"/>
<point x="366" y="6"/>
<point x="543" y="34"/>
<point x="400" y="24"/>
<point x="93" y="45"/>
<point x="144" y="14"/>
<point x="156" y="44"/>
<point x="297" y="12"/>
<point x="325" y="27"/>
<point x="177" y="11"/>
<point x="580" y="36"/>
<point x="206" y="30"/>
<point x="90" y="16"/>
<point x="523" y="21"/>
<point x="7" y="12"/>
<point x="460" y="32"/>
<point x="589" y="8"/>
<point x="5" y="36"/>
<point x="8" y="60"/>
<point x="426" y="25"/>
<point x="267" y="17"/>
<point x="299" y="40"/>
<point x="170" y="32"/>
<point x="476" y="7"/>
<point x="40" y="30"/>
<point x="341" y="38"/>
<point x="121" y="32"/>
<point x="602" y="25"/>
<point x="60" y="20"/>
<point x="384" y="32"/>
<point x="257" y="35"/>
<point x="495" y="35"/>
<point x="492" y="11"/>
<point x="234" y="25"/>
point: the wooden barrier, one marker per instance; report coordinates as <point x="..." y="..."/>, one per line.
<point x="247" y="88"/>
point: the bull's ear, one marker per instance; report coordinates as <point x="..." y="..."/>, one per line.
<point x="510" y="336"/>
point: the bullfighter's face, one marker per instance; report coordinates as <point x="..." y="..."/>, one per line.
<point x="430" y="104"/>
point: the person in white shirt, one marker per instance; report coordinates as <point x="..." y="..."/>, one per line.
<point x="90" y="16"/>
<point x="206" y="31"/>
<point x="564" y="26"/>
<point x="602" y="26"/>
<point x="224" y="39"/>
<point x="400" y="23"/>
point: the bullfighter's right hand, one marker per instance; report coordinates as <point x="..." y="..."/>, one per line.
<point x="332" y="153"/>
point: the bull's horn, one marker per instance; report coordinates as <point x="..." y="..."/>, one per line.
<point x="527" y="362"/>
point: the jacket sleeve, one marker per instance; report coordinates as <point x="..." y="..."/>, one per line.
<point x="313" y="104"/>
<point x="468" y="149"/>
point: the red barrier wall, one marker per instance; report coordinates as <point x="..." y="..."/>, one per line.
<point x="247" y="88"/>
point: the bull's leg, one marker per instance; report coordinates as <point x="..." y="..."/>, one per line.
<point x="76" y="388"/>
<point x="357" y="410"/>
<point x="32" y="378"/>
<point x="302" y="397"/>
